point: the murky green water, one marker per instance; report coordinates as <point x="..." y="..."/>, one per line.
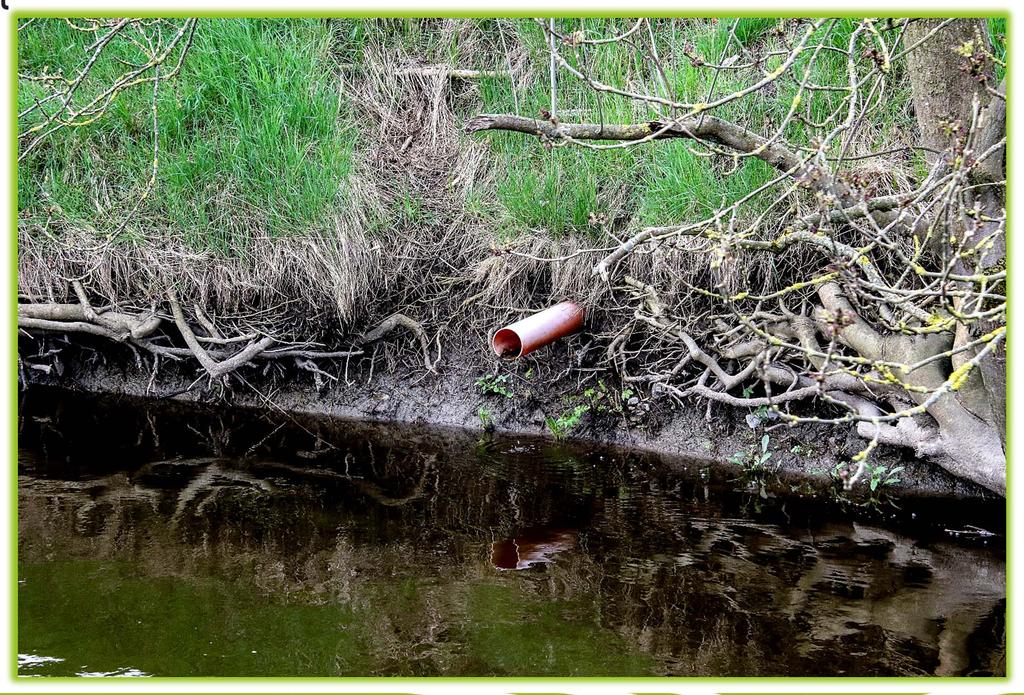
<point x="169" y="540"/>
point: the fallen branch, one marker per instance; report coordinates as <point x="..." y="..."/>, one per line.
<point x="705" y="128"/>
<point x="702" y="128"/>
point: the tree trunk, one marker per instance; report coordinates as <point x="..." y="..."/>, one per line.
<point x="942" y="86"/>
<point x="948" y="73"/>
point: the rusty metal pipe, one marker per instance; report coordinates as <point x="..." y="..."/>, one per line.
<point x="526" y="335"/>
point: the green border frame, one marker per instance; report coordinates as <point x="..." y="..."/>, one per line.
<point x="674" y="681"/>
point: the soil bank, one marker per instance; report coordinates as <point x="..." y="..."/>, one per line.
<point x="804" y="460"/>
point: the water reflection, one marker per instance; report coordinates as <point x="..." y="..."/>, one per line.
<point x="188" y="542"/>
<point x="531" y="547"/>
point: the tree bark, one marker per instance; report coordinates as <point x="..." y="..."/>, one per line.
<point x="943" y="89"/>
<point x="944" y="92"/>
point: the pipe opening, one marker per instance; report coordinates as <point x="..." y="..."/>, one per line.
<point x="506" y="344"/>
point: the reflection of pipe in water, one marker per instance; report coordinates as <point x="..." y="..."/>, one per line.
<point x="530" y="548"/>
<point x="540" y="329"/>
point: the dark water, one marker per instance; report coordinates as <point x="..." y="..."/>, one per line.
<point x="169" y="540"/>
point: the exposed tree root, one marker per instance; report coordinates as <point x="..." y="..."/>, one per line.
<point x="922" y="409"/>
<point x="213" y="351"/>
<point x="402" y="321"/>
<point x="212" y="366"/>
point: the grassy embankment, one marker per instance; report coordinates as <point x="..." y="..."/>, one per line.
<point x="267" y="137"/>
<point x="252" y="134"/>
<point x="256" y="132"/>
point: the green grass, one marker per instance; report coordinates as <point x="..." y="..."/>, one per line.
<point x="252" y="135"/>
<point x="256" y="136"/>
<point x="564" y="190"/>
<point x="997" y="34"/>
<point x="680" y="186"/>
<point x="749" y="29"/>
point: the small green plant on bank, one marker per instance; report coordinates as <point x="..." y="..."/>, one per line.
<point x="598" y="399"/>
<point x="882" y="477"/>
<point x="486" y="421"/>
<point x="754" y="459"/>
<point x="760" y="414"/>
<point x="561" y="426"/>
<point x="602" y="399"/>
<point x="802" y="489"/>
<point x="879" y="480"/>
<point x="494" y="385"/>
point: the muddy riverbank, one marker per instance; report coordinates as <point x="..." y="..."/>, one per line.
<point x="536" y="397"/>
